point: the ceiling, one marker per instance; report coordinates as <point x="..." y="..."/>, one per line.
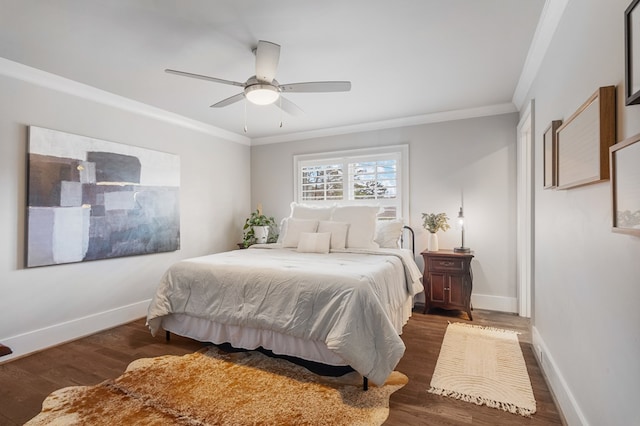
<point x="407" y="58"/>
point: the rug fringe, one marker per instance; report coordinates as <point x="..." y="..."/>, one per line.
<point x="511" y="408"/>
<point x="484" y="327"/>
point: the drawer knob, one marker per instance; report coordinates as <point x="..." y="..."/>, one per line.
<point x="446" y="263"/>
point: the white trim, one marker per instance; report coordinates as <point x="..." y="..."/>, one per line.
<point x="524" y="215"/>
<point x="563" y="396"/>
<point x="55" y="82"/>
<point x="494" y="303"/>
<point x="547" y="25"/>
<point x="390" y="124"/>
<point x="56" y="334"/>
<point x="51" y="81"/>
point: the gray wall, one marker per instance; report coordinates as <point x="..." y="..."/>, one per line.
<point x="476" y="154"/>
<point x="587" y="279"/>
<point x="44" y="306"/>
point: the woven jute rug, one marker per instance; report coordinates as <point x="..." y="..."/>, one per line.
<point x="216" y="388"/>
<point x="484" y="366"/>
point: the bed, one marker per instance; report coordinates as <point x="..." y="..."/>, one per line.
<point x="339" y="305"/>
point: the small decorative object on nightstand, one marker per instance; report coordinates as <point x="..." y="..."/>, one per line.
<point x="259" y="228"/>
<point x="448" y="280"/>
<point x="433" y="223"/>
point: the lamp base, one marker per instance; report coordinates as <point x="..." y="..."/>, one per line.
<point x="461" y="250"/>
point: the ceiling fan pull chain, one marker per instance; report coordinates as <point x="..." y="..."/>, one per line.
<point x="280" y="100"/>
<point x="245" y="116"/>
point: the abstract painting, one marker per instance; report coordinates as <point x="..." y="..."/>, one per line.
<point x="91" y="199"/>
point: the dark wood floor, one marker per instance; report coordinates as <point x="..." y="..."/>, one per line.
<point x="25" y="382"/>
<point x="413" y="405"/>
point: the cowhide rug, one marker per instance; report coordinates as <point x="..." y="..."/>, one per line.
<point x="217" y="388"/>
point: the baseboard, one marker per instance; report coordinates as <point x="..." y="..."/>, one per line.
<point x="494" y="303"/>
<point x="483" y="301"/>
<point x="562" y="394"/>
<point x="37" y="340"/>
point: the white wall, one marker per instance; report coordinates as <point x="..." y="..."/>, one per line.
<point x="44" y="306"/>
<point x="475" y="154"/>
<point x="587" y="279"/>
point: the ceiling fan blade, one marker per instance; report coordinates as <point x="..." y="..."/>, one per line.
<point x="289" y="107"/>
<point x="267" y="57"/>
<point x="230" y="100"/>
<point x="317" y="86"/>
<point x="204" y="77"/>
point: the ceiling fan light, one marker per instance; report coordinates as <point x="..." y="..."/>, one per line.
<point x="261" y="94"/>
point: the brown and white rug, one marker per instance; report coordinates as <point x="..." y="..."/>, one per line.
<point x="216" y="388"/>
<point x="484" y="366"/>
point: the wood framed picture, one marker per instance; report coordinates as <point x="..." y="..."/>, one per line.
<point x="583" y="141"/>
<point x="632" y="53"/>
<point x="625" y="185"/>
<point x="550" y="155"/>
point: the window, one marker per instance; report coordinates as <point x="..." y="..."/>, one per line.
<point x="365" y="176"/>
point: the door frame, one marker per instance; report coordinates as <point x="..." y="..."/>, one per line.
<point x="525" y="210"/>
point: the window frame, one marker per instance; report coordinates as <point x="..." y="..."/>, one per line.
<point x="331" y="157"/>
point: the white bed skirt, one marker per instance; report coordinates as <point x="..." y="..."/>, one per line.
<point x="205" y="330"/>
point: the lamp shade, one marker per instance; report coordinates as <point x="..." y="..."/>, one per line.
<point x="460" y="218"/>
<point x="261" y="94"/>
<point x="462" y="248"/>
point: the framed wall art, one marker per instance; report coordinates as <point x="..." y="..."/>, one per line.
<point x="550" y="155"/>
<point x="583" y="141"/>
<point x="625" y="185"/>
<point x="632" y="53"/>
<point x="91" y="199"/>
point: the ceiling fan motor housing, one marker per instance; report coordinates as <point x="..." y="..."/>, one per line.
<point x="261" y="93"/>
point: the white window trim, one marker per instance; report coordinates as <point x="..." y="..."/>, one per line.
<point x="403" y="175"/>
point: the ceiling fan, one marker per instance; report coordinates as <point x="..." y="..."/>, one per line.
<point x="263" y="88"/>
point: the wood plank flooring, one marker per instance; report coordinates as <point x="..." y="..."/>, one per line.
<point x="423" y="335"/>
<point x="25" y="382"/>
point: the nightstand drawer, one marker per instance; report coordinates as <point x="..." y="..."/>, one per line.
<point x="446" y="264"/>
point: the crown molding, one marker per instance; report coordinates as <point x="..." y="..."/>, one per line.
<point x="55" y="82"/>
<point x="415" y="120"/>
<point x="549" y="20"/>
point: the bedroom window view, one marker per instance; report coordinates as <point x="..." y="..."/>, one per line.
<point x="369" y="179"/>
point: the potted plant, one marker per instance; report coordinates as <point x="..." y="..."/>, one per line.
<point x="259" y="229"/>
<point x="433" y="223"/>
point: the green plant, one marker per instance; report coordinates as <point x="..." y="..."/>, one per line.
<point x="258" y="219"/>
<point x="435" y="222"/>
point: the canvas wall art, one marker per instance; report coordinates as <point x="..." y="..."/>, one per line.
<point x="91" y="199"/>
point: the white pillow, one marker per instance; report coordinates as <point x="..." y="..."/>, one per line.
<point x="294" y="228"/>
<point x="338" y="232"/>
<point x="388" y="233"/>
<point x="362" y="224"/>
<point x="302" y="211"/>
<point x="283" y="229"/>
<point x="314" y="242"/>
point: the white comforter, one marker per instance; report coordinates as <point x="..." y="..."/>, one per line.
<point x="342" y="299"/>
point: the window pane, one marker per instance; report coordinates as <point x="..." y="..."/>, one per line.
<point x="372" y="180"/>
<point x="322" y="182"/>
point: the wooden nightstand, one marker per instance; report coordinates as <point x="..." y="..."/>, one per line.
<point x="448" y="280"/>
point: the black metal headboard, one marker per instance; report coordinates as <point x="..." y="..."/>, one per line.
<point x="413" y="239"/>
